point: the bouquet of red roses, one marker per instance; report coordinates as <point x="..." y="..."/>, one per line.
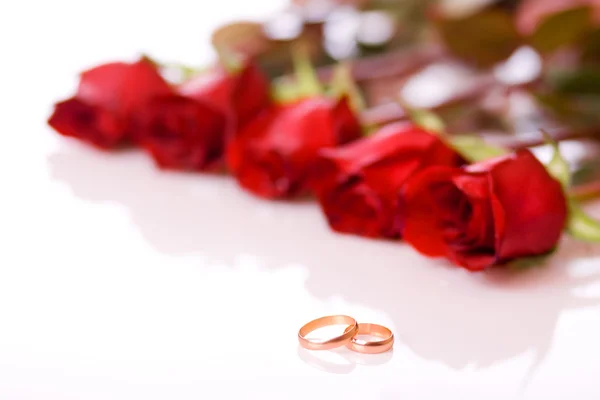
<point x="320" y="132"/>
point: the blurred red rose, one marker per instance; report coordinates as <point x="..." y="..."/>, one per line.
<point x="357" y="185"/>
<point x="273" y="156"/>
<point x="181" y="133"/>
<point x="486" y="213"/>
<point x="241" y="96"/>
<point x="106" y="98"/>
<point x="188" y="130"/>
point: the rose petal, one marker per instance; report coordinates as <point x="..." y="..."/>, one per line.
<point x="354" y="208"/>
<point x="141" y="83"/>
<point x="534" y="205"/>
<point x="294" y="133"/>
<point x="378" y="164"/>
<point x="345" y="123"/>
<point x="107" y="98"/>
<point x="449" y="215"/>
<point x="121" y="87"/>
<point x="241" y="96"/>
<point x="75" y="118"/>
<point x="248" y="139"/>
<point x="387" y="142"/>
<point x="99" y="84"/>
<point x="215" y="87"/>
<point x="252" y="93"/>
<point x="500" y="221"/>
<point x="268" y="175"/>
<point x="181" y="133"/>
<point x="419" y="214"/>
<point x="475" y="186"/>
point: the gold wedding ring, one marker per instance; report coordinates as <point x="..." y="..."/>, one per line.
<point x="372" y="346"/>
<point x="334" y="342"/>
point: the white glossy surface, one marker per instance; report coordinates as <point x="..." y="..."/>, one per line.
<point x="121" y="282"/>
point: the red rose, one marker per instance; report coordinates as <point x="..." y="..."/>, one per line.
<point x="486" y="213"/>
<point x="357" y="185"/>
<point x="106" y="98"/>
<point x="182" y="133"/>
<point x="240" y="95"/>
<point x="188" y="130"/>
<point x="273" y="155"/>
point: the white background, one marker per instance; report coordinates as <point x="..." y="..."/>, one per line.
<point x="121" y="282"/>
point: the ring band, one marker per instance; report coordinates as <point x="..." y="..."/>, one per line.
<point x="334" y="342"/>
<point x="375" y="346"/>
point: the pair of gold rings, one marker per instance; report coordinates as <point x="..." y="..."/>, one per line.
<point x="349" y="337"/>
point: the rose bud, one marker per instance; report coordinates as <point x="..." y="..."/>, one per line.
<point x="484" y="214"/>
<point x="106" y="98"/>
<point x="357" y="185"/>
<point x="273" y="155"/>
<point x="188" y="130"/>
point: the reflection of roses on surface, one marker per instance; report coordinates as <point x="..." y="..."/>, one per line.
<point x="438" y="313"/>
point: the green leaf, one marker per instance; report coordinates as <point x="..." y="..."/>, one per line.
<point x="426" y="119"/>
<point x="574" y="110"/>
<point x="474" y="148"/>
<point x="343" y="84"/>
<point x="580" y="225"/>
<point x="303" y="83"/>
<point x="582" y="81"/>
<point x="483" y="38"/>
<point x="591" y="48"/>
<point x="561" y="29"/>
<point x="369" y="129"/>
<point x="307" y="80"/>
<point x="573" y="96"/>
<point x="522" y="264"/>
<point x="558" y="167"/>
<point x="188" y="72"/>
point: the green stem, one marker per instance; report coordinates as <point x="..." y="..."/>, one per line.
<point x="343" y="84"/>
<point x="307" y="82"/>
